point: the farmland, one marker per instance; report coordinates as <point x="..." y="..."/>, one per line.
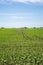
<point x="21" y="46"/>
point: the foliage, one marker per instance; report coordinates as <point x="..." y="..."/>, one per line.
<point x="21" y="46"/>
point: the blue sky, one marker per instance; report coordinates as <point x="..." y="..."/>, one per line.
<point x="21" y="13"/>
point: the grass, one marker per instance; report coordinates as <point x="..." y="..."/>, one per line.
<point x="21" y="46"/>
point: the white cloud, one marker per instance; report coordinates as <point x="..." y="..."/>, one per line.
<point x="13" y="16"/>
<point x="33" y="1"/>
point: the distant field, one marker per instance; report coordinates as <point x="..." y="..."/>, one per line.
<point x="21" y="46"/>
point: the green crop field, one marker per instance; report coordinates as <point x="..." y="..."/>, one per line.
<point x="21" y="46"/>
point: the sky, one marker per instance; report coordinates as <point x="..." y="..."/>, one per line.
<point x="21" y="13"/>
